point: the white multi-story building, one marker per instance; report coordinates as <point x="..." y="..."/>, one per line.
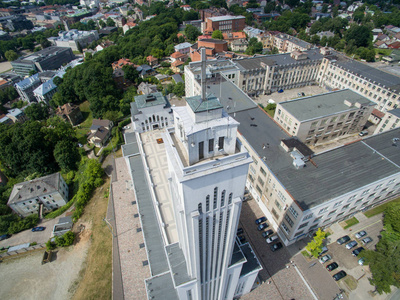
<point x="151" y="112"/>
<point x="196" y="220"/>
<point x="324" y="117"/>
<point x="45" y="92"/>
<point x="51" y="191"/>
<point x="26" y="87"/>
<point x="73" y="38"/>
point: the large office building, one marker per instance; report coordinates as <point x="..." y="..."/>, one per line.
<point x="190" y="205"/>
<point x="299" y="190"/>
<point x="324" y="117"/>
<point x="225" y="24"/>
<point x="74" y="39"/>
<point x="50" y="58"/>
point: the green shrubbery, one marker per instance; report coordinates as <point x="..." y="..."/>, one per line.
<point x="22" y="224"/>
<point x="65" y="240"/>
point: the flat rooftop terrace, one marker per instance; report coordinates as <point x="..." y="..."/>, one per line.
<point x="156" y="158"/>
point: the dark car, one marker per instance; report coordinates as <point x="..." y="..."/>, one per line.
<point x="361" y="234"/>
<point x="366" y="240"/>
<point x="239" y="230"/>
<point x="4" y="237"/>
<point x="267" y="233"/>
<point x="261" y="220"/>
<point x="339" y="275"/>
<point x="357" y="251"/>
<point x="332" y="266"/>
<point x="351" y="245"/>
<point x="39" y="228"/>
<point x="276" y="246"/>
<point x="262" y="226"/>
<point x="343" y="239"/>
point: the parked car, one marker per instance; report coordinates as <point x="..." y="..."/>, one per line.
<point x="5" y="236"/>
<point x="339" y="275"/>
<point x="324" y="250"/>
<point x="261" y="220"/>
<point x="325" y="258"/>
<point x="361" y="234"/>
<point x="280" y="91"/>
<point x="366" y="240"/>
<point x="357" y="251"/>
<point x="350" y="245"/>
<point x="272" y="239"/>
<point x="343" y="239"/>
<point x="332" y="266"/>
<point x="39" y="228"/>
<point x="364" y="132"/>
<point x="239" y="230"/>
<point x="262" y="226"/>
<point x="276" y="246"/>
<point x="267" y="233"/>
<point x="361" y="261"/>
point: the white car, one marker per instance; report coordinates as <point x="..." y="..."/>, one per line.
<point x="272" y="239"/>
<point x="325" y="258"/>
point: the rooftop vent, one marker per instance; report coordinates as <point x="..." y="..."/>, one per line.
<point x="150" y="98"/>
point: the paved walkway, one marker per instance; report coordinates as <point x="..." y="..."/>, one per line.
<point x="131" y="248"/>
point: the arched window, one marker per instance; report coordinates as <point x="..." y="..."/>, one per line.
<point x="149" y="119"/>
<point x="158" y="118"/>
<point x="154" y="118"/>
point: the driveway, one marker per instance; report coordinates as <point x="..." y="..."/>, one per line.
<point x="27" y="236"/>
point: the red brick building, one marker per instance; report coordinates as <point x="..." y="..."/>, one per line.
<point x="212" y="46"/>
<point x="225" y="24"/>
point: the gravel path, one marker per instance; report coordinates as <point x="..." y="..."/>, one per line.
<point x="26" y="278"/>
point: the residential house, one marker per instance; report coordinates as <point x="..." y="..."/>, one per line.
<point x="212" y="46"/>
<point x="122" y="62"/>
<point x="145" y="88"/>
<point x="177" y="66"/>
<point x="152" y="60"/>
<point x="145" y="71"/>
<point x="44" y="93"/>
<point x="50" y="192"/>
<point x="239" y="45"/>
<point x="71" y="113"/>
<point x="16" y="115"/>
<point x="100" y="132"/>
<point x="183" y="48"/>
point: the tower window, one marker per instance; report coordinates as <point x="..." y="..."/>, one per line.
<point x="208" y="203"/>
<point x="223" y="198"/>
<point x="215" y="198"/>
<point x="210" y="145"/>
<point x="221" y="143"/>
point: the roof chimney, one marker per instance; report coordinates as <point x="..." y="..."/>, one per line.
<point x="203" y="74"/>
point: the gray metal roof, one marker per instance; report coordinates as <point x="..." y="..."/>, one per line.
<point x="151" y="231"/>
<point x="386" y="144"/>
<point x="339" y="171"/>
<point x="395" y="112"/>
<point x="230" y="96"/>
<point x="252" y="263"/>
<point x="159" y="287"/>
<point x="370" y="73"/>
<point x="150" y="100"/>
<point x="321" y="105"/>
<point x="197" y="105"/>
<point x="237" y="255"/>
<point x="177" y="262"/>
<point x="276" y="59"/>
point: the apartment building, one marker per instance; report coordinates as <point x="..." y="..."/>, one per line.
<point x="287" y="43"/>
<point x="50" y="191"/>
<point x="324" y="117"/>
<point x="390" y="120"/>
<point x="340" y="72"/>
<point x="73" y="38"/>
<point x="26" y="87"/>
<point x="270" y="73"/>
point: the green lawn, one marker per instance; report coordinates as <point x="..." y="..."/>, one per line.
<point x="383" y="52"/>
<point x="351" y="222"/>
<point x="84" y="127"/>
<point x="380" y="209"/>
<point x="271" y="112"/>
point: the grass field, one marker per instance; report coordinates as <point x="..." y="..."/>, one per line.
<point x="380" y="209"/>
<point x="84" y="127"/>
<point x="351" y="222"/>
<point x="350" y="282"/>
<point x="95" y="280"/>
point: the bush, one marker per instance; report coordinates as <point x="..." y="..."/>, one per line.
<point x="271" y="106"/>
<point x="50" y="245"/>
<point x="65" y="240"/>
<point x="23" y="224"/>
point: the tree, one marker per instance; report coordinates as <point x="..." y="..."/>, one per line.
<point x="130" y="73"/>
<point x="37" y="111"/>
<point x="315" y="246"/>
<point x="217" y="34"/>
<point x="179" y="89"/>
<point x="110" y="22"/>
<point x="361" y="35"/>
<point x="79" y="47"/>
<point x="11" y="55"/>
<point x="66" y="155"/>
<point x="102" y="24"/>
<point x="192" y="32"/>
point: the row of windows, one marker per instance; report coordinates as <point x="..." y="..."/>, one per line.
<point x="215" y="200"/>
